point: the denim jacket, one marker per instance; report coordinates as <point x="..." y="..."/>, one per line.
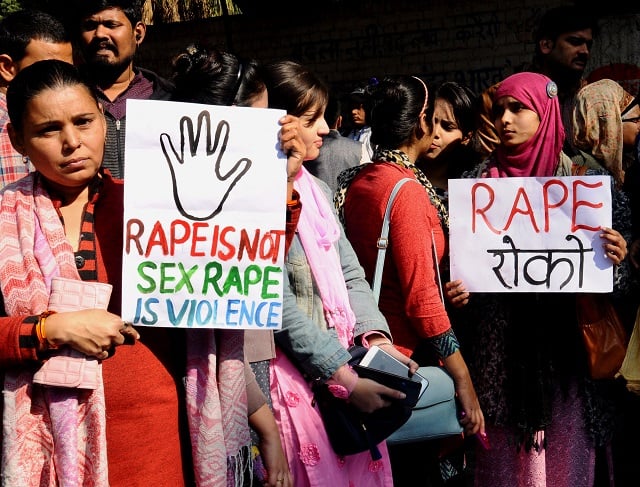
<point x="304" y="336"/>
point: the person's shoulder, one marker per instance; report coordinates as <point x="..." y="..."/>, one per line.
<point x="579" y="161"/>
<point x="335" y="135"/>
<point x="112" y="186"/>
<point x="479" y="170"/>
<point x="326" y="189"/>
<point x="162" y="87"/>
<point x="378" y="177"/>
<point x="334" y="138"/>
<point x="21" y="186"/>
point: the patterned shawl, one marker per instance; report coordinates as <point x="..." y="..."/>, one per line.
<point x="34" y="249"/>
<point x="597" y="123"/>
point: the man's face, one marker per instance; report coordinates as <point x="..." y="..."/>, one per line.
<point x="109" y="40"/>
<point x="358" y="115"/>
<point x="570" y="52"/>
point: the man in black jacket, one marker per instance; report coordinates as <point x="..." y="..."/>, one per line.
<point x="109" y="35"/>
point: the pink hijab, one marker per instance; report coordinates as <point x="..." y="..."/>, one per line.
<point x="540" y="155"/>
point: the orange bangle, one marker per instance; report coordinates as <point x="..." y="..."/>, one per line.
<point x="41" y="331"/>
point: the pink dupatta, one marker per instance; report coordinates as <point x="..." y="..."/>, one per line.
<point x="50" y="436"/>
<point x="319" y="231"/>
<point x="311" y="457"/>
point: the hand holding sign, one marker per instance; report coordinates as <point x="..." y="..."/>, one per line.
<point x="211" y="256"/>
<point x="292" y="145"/>
<point x="189" y="187"/>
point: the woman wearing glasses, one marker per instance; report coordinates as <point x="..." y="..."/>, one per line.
<point x="605" y="126"/>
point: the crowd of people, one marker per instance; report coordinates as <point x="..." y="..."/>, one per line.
<point x="222" y="407"/>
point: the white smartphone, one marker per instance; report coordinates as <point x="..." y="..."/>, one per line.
<point x="378" y="359"/>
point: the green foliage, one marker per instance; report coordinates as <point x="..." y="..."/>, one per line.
<point x="8" y="6"/>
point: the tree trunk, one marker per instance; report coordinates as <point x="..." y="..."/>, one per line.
<point x="166" y="11"/>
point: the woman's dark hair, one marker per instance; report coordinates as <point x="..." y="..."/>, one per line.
<point x="396" y="105"/>
<point x="215" y="77"/>
<point x="36" y="78"/>
<point x="292" y="87"/>
<point x="464" y="104"/>
<point x="360" y="97"/>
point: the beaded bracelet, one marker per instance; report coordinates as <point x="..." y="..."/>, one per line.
<point x="41" y="331"/>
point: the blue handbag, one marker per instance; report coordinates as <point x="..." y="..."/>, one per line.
<point x="436" y="413"/>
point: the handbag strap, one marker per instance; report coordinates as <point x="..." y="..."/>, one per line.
<point x="383" y="240"/>
<point x="383" y="243"/>
<point x="435" y="262"/>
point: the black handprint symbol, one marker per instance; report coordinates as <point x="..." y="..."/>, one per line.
<point x="188" y="170"/>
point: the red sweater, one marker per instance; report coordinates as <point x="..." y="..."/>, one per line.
<point x="409" y="295"/>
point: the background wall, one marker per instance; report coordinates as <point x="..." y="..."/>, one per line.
<point x="348" y="42"/>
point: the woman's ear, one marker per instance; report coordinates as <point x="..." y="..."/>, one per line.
<point x="104" y="120"/>
<point x="466" y="139"/>
<point x="16" y="139"/>
<point x="424" y="126"/>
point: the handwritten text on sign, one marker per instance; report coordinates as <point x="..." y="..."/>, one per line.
<point x="530" y="234"/>
<point x="204" y="216"/>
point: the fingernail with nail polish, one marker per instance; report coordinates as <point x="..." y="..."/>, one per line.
<point x="484" y="440"/>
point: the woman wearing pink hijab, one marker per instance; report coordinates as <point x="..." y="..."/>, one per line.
<point x="544" y="416"/>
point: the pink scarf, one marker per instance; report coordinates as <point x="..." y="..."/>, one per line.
<point x="217" y="407"/>
<point x="34" y="249"/>
<point x="540" y="155"/>
<point x="311" y="458"/>
<point x="319" y="231"/>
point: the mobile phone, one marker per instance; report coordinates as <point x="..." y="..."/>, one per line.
<point x="378" y="359"/>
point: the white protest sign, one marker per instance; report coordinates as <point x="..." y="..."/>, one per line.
<point x="204" y="220"/>
<point x="530" y="234"/>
